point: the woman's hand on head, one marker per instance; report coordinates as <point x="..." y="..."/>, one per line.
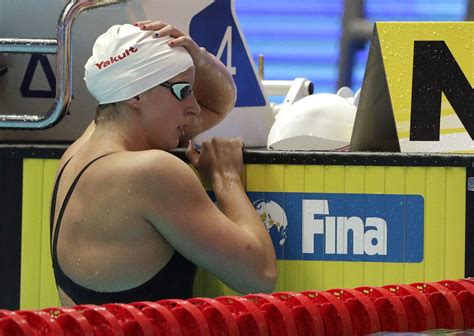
<point x="179" y="38"/>
<point x="214" y="86"/>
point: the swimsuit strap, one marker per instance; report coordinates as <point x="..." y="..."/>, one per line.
<point x="66" y="200"/>
<point x="53" y="201"/>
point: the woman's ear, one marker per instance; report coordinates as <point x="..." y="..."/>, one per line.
<point x="134" y="102"/>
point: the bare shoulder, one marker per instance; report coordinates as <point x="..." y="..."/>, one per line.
<point x="157" y="164"/>
<point x="163" y="175"/>
<point x="166" y="185"/>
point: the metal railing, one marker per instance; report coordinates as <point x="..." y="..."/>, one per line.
<point x="470" y="11"/>
<point x="62" y="48"/>
<point x="356" y="30"/>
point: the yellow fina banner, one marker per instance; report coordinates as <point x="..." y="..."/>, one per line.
<point x="440" y="248"/>
<point x="429" y="69"/>
<point x="439" y="245"/>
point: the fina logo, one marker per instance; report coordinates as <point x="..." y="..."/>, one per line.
<point x="369" y="238"/>
<point x="343" y="227"/>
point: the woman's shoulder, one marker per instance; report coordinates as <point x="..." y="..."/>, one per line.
<point x="155" y="163"/>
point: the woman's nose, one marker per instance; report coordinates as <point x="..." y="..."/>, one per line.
<point x="194" y="108"/>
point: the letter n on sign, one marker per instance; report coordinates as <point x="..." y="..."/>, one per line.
<point x="418" y="91"/>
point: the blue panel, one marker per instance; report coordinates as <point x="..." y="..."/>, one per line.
<point x="298" y="39"/>
<point x="343" y="227"/>
<point x="218" y="18"/>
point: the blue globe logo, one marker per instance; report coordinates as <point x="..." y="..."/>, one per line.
<point x="274" y="218"/>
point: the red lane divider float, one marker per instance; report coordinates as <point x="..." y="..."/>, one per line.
<point x="42" y="323"/>
<point x="446" y="307"/>
<point x="470" y="280"/>
<point x="190" y="318"/>
<point x="447" y="304"/>
<point x="163" y="321"/>
<point x="249" y="318"/>
<point x="308" y="318"/>
<point x="365" y="319"/>
<point x="389" y="308"/>
<point x="464" y="292"/>
<point x="337" y="320"/>
<point x="277" y="314"/>
<point x="219" y="318"/>
<point x="132" y="321"/>
<point x="72" y="322"/>
<point x="102" y="321"/>
<point x="12" y="323"/>
<point x="417" y="307"/>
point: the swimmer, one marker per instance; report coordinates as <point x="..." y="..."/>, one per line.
<point x="130" y="221"/>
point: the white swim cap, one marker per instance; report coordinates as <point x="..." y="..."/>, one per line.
<point x="127" y="61"/>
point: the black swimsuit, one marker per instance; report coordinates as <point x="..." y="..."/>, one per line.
<point x="175" y="280"/>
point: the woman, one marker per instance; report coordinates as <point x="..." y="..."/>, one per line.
<point x="129" y="220"/>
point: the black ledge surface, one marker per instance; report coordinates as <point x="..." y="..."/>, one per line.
<point x="265" y="156"/>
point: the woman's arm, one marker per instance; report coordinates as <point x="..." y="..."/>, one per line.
<point x="231" y="241"/>
<point x="214" y="90"/>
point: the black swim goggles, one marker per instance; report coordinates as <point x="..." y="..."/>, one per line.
<point x="179" y="89"/>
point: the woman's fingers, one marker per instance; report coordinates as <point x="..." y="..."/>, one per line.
<point x="191" y="46"/>
<point x="169" y="30"/>
<point x="163" y="29"/>
<point x="142" y="23"/>
<point x="160" y="27"/>
<point x="181" y="41"/>
<point x="191" y="153"/>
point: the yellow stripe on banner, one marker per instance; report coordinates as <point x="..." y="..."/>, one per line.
<point x="313" y="275"/>
<point x="374" y="184"/>
<point x="294" y="182"/>
<point x="37" y="289"/>
<point x="395" y="185"/>
<point x="415" y="185"/>
<point x="274" y="177"/>
<point x="254" y="177"/>
<point x="354" y="184"/>
<point x="274" y="181"/>
<point x="435" y="229"/>
<point x="31" y="233"/>
<point x="48" y="291"/>
<point x="455" y="217"/>
<point x="334" y="270"/>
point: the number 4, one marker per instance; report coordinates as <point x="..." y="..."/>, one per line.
<point x="227" y="41"/>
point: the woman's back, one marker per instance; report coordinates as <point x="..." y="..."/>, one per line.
<point x="104" y="242"/>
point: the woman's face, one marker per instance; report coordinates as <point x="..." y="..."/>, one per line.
<point x="165" y="118"/>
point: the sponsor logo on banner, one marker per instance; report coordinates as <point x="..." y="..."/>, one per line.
<point x="343" y="227"/>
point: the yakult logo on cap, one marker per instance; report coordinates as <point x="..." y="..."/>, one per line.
<point x="114" y="59"/>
